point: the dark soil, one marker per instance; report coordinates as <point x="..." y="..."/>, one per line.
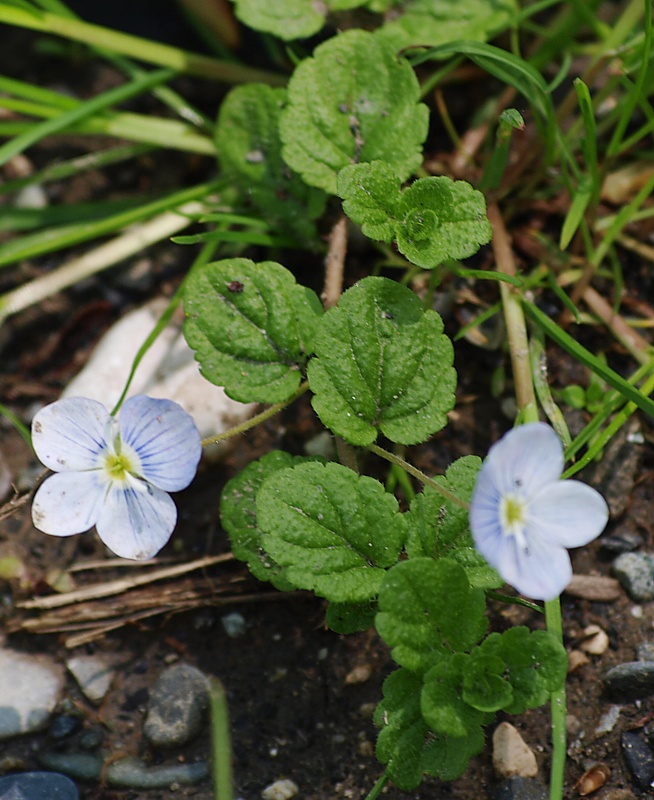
<point x="296" y="707"/>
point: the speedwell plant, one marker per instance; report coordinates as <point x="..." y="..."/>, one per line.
<point x="346" y="136"/>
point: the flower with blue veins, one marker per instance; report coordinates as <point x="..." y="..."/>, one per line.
<point x="523" y="517"/>
<point x="114" y="472"/>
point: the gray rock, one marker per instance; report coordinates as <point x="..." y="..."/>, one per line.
<point x="93" y="674"/>
<point x="37" y="786"/>
<point x="645" y="651"/>
<point x="177" y="706"/>
<point x="635" y="571"/>
<point x="517" y="788"/>
<point x="30" y="687"/>
<point x="639" y="758"/>
<point x="630" y="681"/>
<point x="132" y="773"/>
<point x="127" y="773"/>
<point x="622" y="540"/>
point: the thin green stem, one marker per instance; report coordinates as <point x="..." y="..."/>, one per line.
<point x="374" y="793"/>
<point x="400" y="462"/>
<point x="221" y="742"/>
<point x="558" y="706"/>
<point x="256" y="420"/>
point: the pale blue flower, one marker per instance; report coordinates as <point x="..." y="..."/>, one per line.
<point x="114" y="472"/>
<point x="523" y="517"/>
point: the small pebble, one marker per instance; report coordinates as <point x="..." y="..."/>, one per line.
<point x="576" y="660"/>
<point x="639" y="758"/>
<point x="93" y="674"/>
<point x="572" y="725"/>
<point x="517" y="788"/>
<point x="645" y="651"/>
<point x="30" y="687"/>
<point x="635" y="571"/>
<point x="64" y="725"/>
<point x="608" y="721"/>
<point x="177" y="706"/>
<point x="631" y="681"/>
<point x="359" y="674"/>
<point x="621" y="541"/>
<point x="234" y="624"/>
<point x="593" y="779"/>
<point x="598" y="588"/>
<point x="511" y="755"/>
<point x="280" y="790"/>
<point x="132" y="773"/>
<point x="37" y="786"/>
<point x="595" y="640"/>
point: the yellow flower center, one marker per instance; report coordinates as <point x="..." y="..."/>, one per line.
<point x="118" y="465"/>
<point x="513" y="517"/>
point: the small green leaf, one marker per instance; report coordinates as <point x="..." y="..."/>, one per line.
<point x="335" y="532"/>
<point x="405" y="742"/>
<point x="441" y="702"/>
<point x="353" y="101"/>
<point x="439" y="528"/>
<point x="441" y="219"/>
<point x="484" y="688"/>
<point x="249" y="151"/>
<point x="371" y="198"/>
<point x="251" y="326"/>
<point x="238" y="515"/>
<point x="382" y="364"/>
<point x="428" y="608"/>
<point x="350" y="617"/>
<point x="536" y="665"/>
<point x="434" y="219"/>
<point x="433" y="22"/>
<point x="289" y="19"/>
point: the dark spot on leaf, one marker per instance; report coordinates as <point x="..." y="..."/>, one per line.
<point x="235" y="286"/>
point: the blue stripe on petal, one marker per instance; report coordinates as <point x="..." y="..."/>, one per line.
<point x="70" y="434"/>
<point x="136" y="521"/>
<point x="165" y="439"/>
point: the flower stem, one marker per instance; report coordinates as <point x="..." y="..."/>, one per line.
<point x="258" y="418"/>
<point x="400" y="462"/>
<point x="525" y="395"/>
<point x="376" y="789"/>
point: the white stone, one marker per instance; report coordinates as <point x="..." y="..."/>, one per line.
<point x="168" y="370"/>
<point x="30" y="687"/>
<point x="511" y="755"/>
<point x="280" y="790"/>
<point x="93" y="675"/>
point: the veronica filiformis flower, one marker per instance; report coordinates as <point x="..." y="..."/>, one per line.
<point x="114" y="472"/>
<point x="523" y="517"/>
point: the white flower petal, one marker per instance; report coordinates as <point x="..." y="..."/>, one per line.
<point x="567" y="513"/>
<point x="70" y="433"/>
<point x="137" y="521"/>
<point x="165" y="439"/>
<point x="68" y="503"/>
<point x="542" y="573"/>
<point x="525" y="459"/>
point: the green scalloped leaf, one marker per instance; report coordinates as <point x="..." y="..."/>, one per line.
<point x="353" y="101"/>
<point x="249" y="151"/>
<point x="434" y="22"/>
<point x="251" y="326"/>
<point x="536" y="665"/>
<point x="350" y="617"/>
<point x="289" y="19"/>
<point x="441" y="219"/>
<point x="426" y="609"/>
<point x="335" y="533"/>
<point x="382" y="364"/>
<point x="484" y="687"/>
<point x="441" y="702"/>
<point x="433" y="220"/>
<point x="405" y="742"/>
<point x="371" y="197"/>
<point x="439" y="528"/>
<point x="238" y="515"/>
